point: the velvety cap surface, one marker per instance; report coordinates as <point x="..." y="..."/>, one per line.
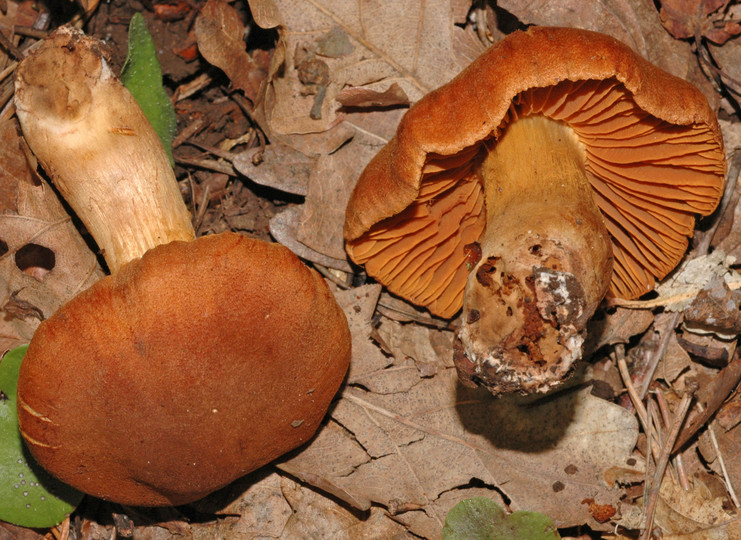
<point x="190" y="367"/>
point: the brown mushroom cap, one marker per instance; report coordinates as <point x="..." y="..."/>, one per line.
<point x="654" y="157"/>
<point x="187" y="369"/>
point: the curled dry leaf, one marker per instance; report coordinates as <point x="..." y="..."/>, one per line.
<point x="219" y="34"/>
<point x="364" y="97"/>
<point x="686" y="19"/>
<point x="715" y="309"/>
<point x="285" y="226"/>
<point x="44" y="261"/>
<point x="611" y="326"/>
<point x="681" y="512"/>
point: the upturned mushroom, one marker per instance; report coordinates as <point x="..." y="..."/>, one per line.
<point x="558" y="167"/>
<point x="197" y="360"/>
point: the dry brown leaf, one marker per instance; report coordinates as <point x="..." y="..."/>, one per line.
<point x="315" y="516"/>
<point x="413" y="440"/>
<point x="410" y="44"/>
<point x="219" y="33"/>
<point x="323" y="212"/>
<point x="365" y="97"/>
<point x="253" y="506"/>
<point x="685" y="19"/>
<point x="674" y="362"/>
<point x="278" y="166"/>
<point x="715" y="309"/>
<point x="694" y="514"/>
<point x="386" y="52"/>
<point x="359" y="305"/>
<point x="685" y="282"/>
<point x="284" y="228"/>
<point x="729" y="443"/>
<point x="436" y="437"/>
<point x="59" y="263"/>
<point x="265" y="13"/>
<point x="609" y="327"/>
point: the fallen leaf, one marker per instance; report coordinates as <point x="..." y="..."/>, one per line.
<point x="265" y="13"/>
<point x="387" y="53"/>
<point x="253" y="506"/>
<point x="618" y="325"/>
<point x="685" y="19"/>
<point x="278" y="166"/>
<point x="315" y="516"/>
<point x="685" y="282"/>
<point x="437" y="436"/>
<point x="36" y="225"/>
<point x="359" y="304"/>
<point x="219" y="33"/>
<point x="410" y="44"/>
<point x="284" y="227"/>
<point x="365" y="97"/>
<point x="715" y="310"/>
<point x="680" y="513"/>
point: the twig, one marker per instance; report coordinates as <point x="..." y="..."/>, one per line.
<point x="218" y="166"/>
<point x="663" y="461"/>
<point x="643" y="417"/>
<point x="721" y="461"/>
<point x="650" y="435"/>
<point x="678" y="461"/>
<point x="634" y="396"/>
<point x="712" y="396"/>
<point x="646" y="372"/>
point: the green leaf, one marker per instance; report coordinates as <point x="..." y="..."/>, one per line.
<point x="480" y="518"/>
<point x="29" y="496"/>
<point x="142" y="75"/>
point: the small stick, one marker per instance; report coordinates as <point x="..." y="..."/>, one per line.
<point x="634" y="396"/>
<point x="647" y="373"/>
<point x="682" y="409"/>
<point x="678" y="461"/>
<point x="643" y="417"/>
<point x="713" y="395"/>
<point x="721" y="461"/>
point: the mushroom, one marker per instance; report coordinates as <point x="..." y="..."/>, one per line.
<point x="557" y="168"/>
<point x="197" y="360"/>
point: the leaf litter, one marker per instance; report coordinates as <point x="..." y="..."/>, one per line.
<point x="405" y="442"/>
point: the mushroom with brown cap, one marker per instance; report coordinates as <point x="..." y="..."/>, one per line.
<point x="558" y="166"/>
<point x="197" y="360"/>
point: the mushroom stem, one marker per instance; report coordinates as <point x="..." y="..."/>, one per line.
<point x="546" y="261"/>
<point x="100" y="150"/>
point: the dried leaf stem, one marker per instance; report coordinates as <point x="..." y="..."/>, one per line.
<point x="712" y="396"/>
<point x="662" y="462"/>
<point x="721" y="461"/>
<point x="678" y="461"/>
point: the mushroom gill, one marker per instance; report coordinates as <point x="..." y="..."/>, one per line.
<point x="649" y="178"/>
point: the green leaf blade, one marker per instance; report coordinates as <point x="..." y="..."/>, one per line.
<point x="480" y="518"/>
<point x="29" y="496"/>
<point x="142" y="76"/>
